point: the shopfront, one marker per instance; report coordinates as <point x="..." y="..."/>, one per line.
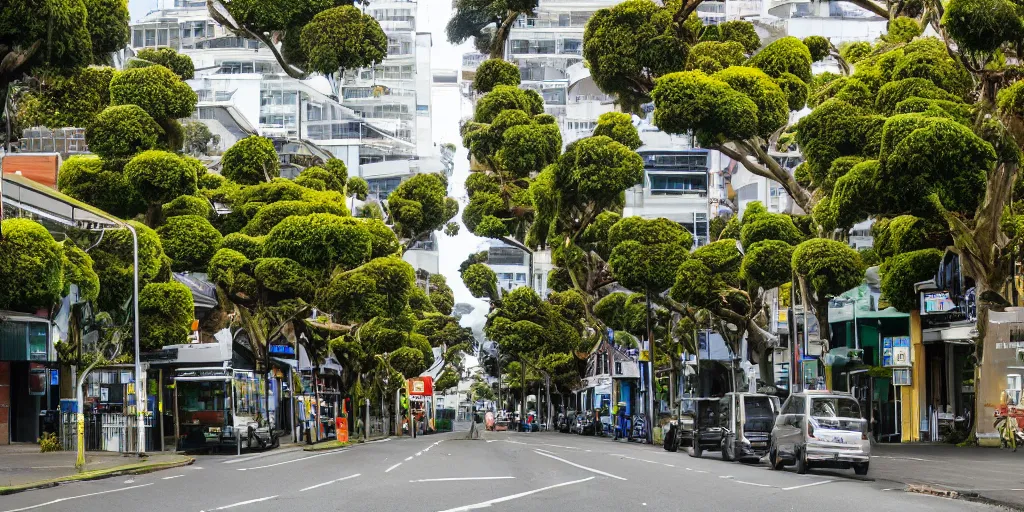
<point x="28" y="377"/>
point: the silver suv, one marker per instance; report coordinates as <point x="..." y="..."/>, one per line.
<point x="821" y="429"/>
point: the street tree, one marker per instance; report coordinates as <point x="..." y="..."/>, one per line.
<point x="307" y="37"/>
<point x="487" y="22"/>
<point x="37" y="37"/>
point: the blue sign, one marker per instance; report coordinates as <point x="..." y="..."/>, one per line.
<point x="611" y="335"/>
<point x="282" y="350"/>
<point x="887" y="352"/>
<point x="54" y="378"/>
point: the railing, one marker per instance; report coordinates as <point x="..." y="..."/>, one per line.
<point x="111" y="432"/>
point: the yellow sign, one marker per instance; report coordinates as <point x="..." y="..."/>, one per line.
<point x="645" y="355"/>
<point x="783" y="316"/>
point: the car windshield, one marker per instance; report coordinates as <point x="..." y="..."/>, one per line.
<point x="835" y="407"/>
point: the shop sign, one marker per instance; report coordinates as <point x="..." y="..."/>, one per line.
<point x="283" y="350"/>
<point x="936" y="303"/>
<point x="421" y="386"/>
<point x="896" y="351"/>
<point x="203" y="373"/>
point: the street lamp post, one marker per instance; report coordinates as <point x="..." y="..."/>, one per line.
<point x="140" y="403"/>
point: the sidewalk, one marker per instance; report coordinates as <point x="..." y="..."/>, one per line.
<point x="22" y="465"/>
<point x="987" y="473"/>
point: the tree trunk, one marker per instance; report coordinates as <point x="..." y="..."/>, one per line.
<point x="154" y="215"/>
<point x="522" y="386"/>
<point x="316" y="407"/>
<point x="501" y="35"/>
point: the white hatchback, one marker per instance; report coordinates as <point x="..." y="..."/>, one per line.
<point x="820" y="429"/>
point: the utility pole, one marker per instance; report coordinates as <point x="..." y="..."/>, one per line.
<point x="650" y="389"/>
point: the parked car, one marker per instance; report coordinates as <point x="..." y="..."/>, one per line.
<point x="747" y="420"/>
<point x="820" y="429"/>
<point x="695" y="415"/>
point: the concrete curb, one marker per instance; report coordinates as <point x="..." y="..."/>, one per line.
<point x="961" y="495"/>
<point x="129" y="469"/>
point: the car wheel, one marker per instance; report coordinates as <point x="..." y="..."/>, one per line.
<point x="801" y="462"/>
<point x="774" y="463"/>
<point x="861" y="469"/>
<point x="696" y="450"/>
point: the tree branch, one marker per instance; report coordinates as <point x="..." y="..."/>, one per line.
<point x="220" y="14"/>
<point x="872" y="7"/>
<point x="501" y="35"/>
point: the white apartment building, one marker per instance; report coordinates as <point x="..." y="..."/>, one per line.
<point x="376" y="120"/>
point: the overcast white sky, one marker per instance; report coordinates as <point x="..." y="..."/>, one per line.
<point x="447" y="109"/>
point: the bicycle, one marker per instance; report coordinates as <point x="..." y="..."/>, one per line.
<point x="1008" y="427"/>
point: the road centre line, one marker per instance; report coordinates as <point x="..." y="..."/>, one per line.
<point x="488" y="503"/>
<point x="257" y="500"/>
<point x="388" y="470"/>
<point x="592" y="470"/>
<point x="407" y="459"/>
<point x="59" y="500"/>
<point x="172" y="477"/>
<point x="806" y="485"/>
<point x="460" y="479"/>
<point x="330" y="482"/>
<point x="294" y="460"/>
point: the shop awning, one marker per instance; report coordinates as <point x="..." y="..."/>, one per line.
<point x="961" y="334"/>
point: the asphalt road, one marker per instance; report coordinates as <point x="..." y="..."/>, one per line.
<point x="503" y="472"/>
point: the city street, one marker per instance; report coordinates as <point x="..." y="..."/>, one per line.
<point x="502" y="471"/>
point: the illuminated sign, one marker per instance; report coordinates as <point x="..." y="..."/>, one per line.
<point x="936" y="303"/>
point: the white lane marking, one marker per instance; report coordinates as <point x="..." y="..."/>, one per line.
<point x="386" y="439"/>
<point x="419" y="453"/>
<point x="407" y="459"/>
<point x="725" y="476"/>
<point x="243" y="459"/>
<point x="642" y="460"/>
<point x="545" y="451"/>
<point x="198" y="467"/>
<point x="806" y="485"/>
<point x="484" y="504"/>
<point x="329" y="483"/>
<point x="293" y="460"/>
<point x="388" y="470"/>
<point x="459" y="479"/>
<point x="240" y="503"/>
<point x="489" y="441"/>
<point x="59" y="500"/>
<point x="592" y="470"/>
<point x="560" y="446"/>
<point x="751" y="483"/>
<point x="514" y="442"/>
<point x="172" y="477"/>
<point x="901" y="458"/>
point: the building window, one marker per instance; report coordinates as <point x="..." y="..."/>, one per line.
<point x="520" y="46"/>
<point x="520" y="278"/>
<point x="563" y="20"/>
<point x="150" y="37"/>
<point x="574" y="46"/>
<point x="668" y="184"/>
<point x="161" y="37"/>
<point x="207" y="113"/>
<point x="137" y="40"/>
<point x="382" y="187"/>
<point x="505" y="256"/>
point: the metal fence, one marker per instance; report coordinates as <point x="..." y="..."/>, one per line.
<point x="111" y="432"/>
